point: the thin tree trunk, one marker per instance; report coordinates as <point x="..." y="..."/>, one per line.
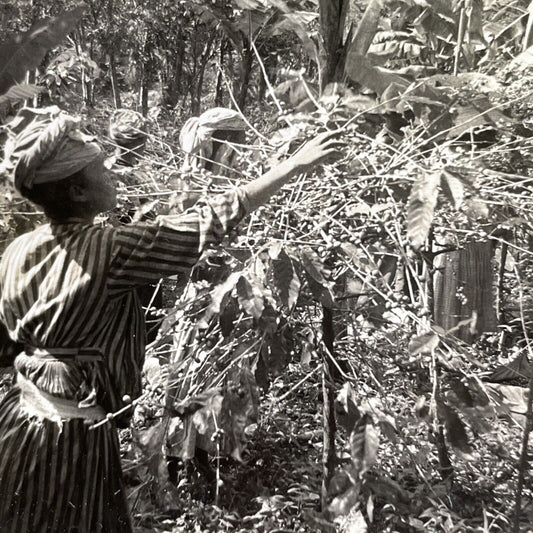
<point x="501" y="275"/>
<point x="246" y="71"/>
<point x="329" y="456"/>
<point x="219" y="91"/>
<point x="523" y="462"/>
<point x="144" y="92"/>
<point x="114" y="81"/>
<point x="528" y="35"/>
<point x="177" y="83"/>
<point x="332" y="32"/>
<point x="461" y="32"/>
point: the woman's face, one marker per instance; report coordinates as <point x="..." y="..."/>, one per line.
<point x="99" y="190"/>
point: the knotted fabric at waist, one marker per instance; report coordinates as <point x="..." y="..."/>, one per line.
<point x="89" y="353"/>
<point x="43" y="405"/>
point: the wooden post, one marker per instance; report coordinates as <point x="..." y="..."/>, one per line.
<point x="463" y="288"/>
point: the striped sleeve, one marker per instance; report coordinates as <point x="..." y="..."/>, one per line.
<point x="144" y="252"/>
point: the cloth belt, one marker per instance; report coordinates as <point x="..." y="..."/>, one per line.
<point x="77" y="354"/>
<point x="39" y="403"/>
<point x="44" y="405"/>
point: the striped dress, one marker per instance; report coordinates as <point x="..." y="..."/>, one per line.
<point x="72" y="286"/>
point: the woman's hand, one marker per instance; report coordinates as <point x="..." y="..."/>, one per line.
<point x="324" y="146"/>
<point x="315" y="151"/>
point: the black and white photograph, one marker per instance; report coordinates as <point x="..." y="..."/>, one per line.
<point x="266" y="266"/>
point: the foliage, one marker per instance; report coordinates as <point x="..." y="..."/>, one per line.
<point x="23" y="52"/>
<point x="68" y="68"/>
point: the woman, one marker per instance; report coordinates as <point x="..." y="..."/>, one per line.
<point x="67" y="293"/>
<point x="127" y="129"/>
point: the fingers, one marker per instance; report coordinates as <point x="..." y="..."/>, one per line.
<point x="333" y="152"/>
<point x="334" y="146"/>
<point x="328" y="136"/>
<point x="335" y="142"/>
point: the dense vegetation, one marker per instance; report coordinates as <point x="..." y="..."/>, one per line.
<point x="357" y="355"/>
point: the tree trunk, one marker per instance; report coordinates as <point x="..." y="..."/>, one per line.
<point x="219" y="91"/>
<point x="246" y="72"/>
<point x="528" y="35"/>
<point x="196" y="99"/>
<point x="329" y="456"/>
<point x="114" y="80"/>
<point x="144" y="92"/>
<point x="173" y="80"/>
<point x="463" y="286"/>
<point x="332" y="18"/>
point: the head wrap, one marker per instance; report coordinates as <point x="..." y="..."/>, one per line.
<point x="45" y="145"/>
<point x="197" y="131"/>
<point x="126" y="125"/>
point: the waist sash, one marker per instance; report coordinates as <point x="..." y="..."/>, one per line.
<point x="44" y="405"/>
<point x="88" y="354"/>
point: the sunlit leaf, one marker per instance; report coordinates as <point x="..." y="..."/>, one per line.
<point x="313" y="265"/>
<point x="366" y="28"/>
<point x="477" y="114"/>
<point x="250" y="298"/>
<point x="307" y="353"/>
<point x="346" y="411"/>
<point x="453" y="188"/>
<point x="475" y="208"/>
<point x="424" y="343"/>
<point x="249" y="4"/>
<point x="364" y="443"/>
<point x="344" y="492"/>
<point x="218" y="294"/>
<point x="378" y="79"/>
<point x="275" y="249"/>
<point x="509" y="400"/>
<point x="286" y="280"/>
<point x="20" y="92"/>
<point x="421" y="207"/>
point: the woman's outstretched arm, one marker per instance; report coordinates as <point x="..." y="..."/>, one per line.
<point x="312" y="153"/>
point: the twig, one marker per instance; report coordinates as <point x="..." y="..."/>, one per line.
<point x="308" y="376"/>
<point x="218" y="482"/>
<point x="111" y="416"/>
